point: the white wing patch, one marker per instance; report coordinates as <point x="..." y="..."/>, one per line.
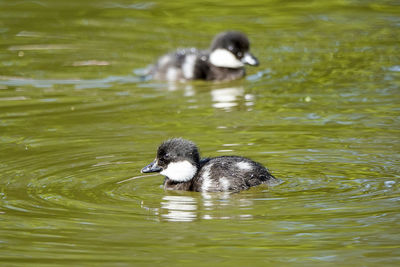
<point x="223" y="58"/>
<point x="207" y="182"/>
<point x="172" y="74"/>
<point x="224" y="183"/>
<point x="244" y="165"/>
<point x="163" y="61"/>
<point x="188" y="66"/>
<point x="181" y="171"/>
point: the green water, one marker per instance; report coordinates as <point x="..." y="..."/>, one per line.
<point x="322" y="111"/>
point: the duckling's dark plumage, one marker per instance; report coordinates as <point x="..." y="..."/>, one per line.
<point x="179" y="160"/>
<point x="225" y="60"/>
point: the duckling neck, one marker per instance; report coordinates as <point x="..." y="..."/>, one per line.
<point x="225" y="74"/>
<point x="173" y="185"/>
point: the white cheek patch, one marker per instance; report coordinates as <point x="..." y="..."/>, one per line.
<point x="244" y="166"/>
<point x="223" y="58"/>
<point x="181" y="171"/>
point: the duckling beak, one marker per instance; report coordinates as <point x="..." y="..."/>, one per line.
<point x="249" y="59"/>
<point x="152" y="167"/>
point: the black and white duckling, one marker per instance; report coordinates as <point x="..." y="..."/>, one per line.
<point x="179" y="160"/>
<point x="224" y="61"/>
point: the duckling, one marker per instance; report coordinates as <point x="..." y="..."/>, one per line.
<point x="179" y="161"/>
<point x="224" y="61"/>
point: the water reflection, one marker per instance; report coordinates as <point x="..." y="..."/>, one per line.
<point x="78" y="83"/>
<point x="221" y="98"/>
<point x="206" y="206"/>
<point x="188" y="89"/>
<point x="179" y="208"/>
<point x="227" y="98"/>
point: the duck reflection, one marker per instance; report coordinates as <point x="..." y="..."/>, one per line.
<point x="179" y="208"/>
<point x="206" y="206"/>
<point x="227" y="98"/>
<point x="188" y="89"/>
<point x="221" y="98"/>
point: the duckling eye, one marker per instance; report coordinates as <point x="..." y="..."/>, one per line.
<point x="239" y="54"/>
<point x="166" y="156"/>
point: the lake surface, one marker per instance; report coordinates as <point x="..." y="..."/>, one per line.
<point x="322" y="111"/>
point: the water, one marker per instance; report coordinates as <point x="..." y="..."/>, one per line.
<point x="321" y="111"/>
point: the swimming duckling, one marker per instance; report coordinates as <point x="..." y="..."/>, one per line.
<point x="179" y="160"/>
<point x="224" y="61"/>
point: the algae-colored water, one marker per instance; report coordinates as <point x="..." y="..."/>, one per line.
<point x="322" y="111"/>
